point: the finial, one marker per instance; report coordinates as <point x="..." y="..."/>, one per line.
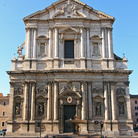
<point x="14" y="58"/>
<point x="124" y="58"/>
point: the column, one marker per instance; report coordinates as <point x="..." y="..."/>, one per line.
<point x="82" y="42"/>
<point x="26" y="43"/>
<point x="113" y="101"/>
<point x="128" y="101"/>
<point x="55" y="100"/>
<point x="106" y="43"/>
<point x="33" y="102"/>
<point x="49" y="101"/>
<point x="29" y="43"/>
<point x="88" y="42"/>
<point x="103" y="43"/>
<point x="25" y="111"/>
<point x="34" y="50"/>
<point x="109" y="42"/>
<point x="56" y="42"/>
<point x="11" y="101"/>
<point x="83" y="114"/>
<point x="90" y="100"/>
<point x="106" y="100"/>
<point x="50" y="40"/>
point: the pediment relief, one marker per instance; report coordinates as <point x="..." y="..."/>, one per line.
<point x="42" y="92"/>
<point x="69" y="30"/>
<point x="69" y="90"/>
<point x="68" y="11"/>
<point x="98" y="96"/>
<point x="120" y="92"/>
<point x="69" y="87"/>
<point x="74" y="95"/>
<point x="42" y="37"/>
<point x="96" y="38"/>
<point x="40" y="96"/>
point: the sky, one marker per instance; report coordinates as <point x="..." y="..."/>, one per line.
<point x="125" y="32"/>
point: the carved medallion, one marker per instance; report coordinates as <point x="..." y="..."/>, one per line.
<point x="69" y="99"/>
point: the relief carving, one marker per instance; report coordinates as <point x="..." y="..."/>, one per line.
<point x="18" y="91"/>
<point x="69" y="8"/>
<point x="120" y="92"/>
<point x="42" y="90"/>
<point x="41" y="109"/>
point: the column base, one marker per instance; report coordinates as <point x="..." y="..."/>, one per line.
<point x="49" y="63"/>
<point x="56" y="63"/>
<point x="83" y="129"/>
<point x="89" y="65"/>
<point x="82" y="63"/>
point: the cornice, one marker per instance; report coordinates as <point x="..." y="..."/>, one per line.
<point x="54" y="19"/>
<point x="128" y="72"/>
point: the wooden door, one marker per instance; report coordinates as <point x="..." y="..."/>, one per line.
<point x="69" y="113"/>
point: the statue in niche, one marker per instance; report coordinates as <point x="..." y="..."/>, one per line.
<point x="20" y="91"/>
<point x="98" y="109"/>
<point x="15" y="91"/>
<point x="121" y="108"/>
<point x="41" y="109"/>
<point x="17" y="109"/>
<point x="37" y="90"/>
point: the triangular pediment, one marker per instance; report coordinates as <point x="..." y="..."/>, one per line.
<point x="69" y="30"/>
<point x="68" y="9"/>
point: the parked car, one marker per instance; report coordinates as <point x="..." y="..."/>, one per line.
<point x="0" y="132"/>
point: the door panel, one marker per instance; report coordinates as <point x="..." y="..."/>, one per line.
<point x="69" y="113"/>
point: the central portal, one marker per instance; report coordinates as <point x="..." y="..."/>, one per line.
<point x="69" y="113"/>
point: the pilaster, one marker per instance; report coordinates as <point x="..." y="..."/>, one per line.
<point x="49" y="110"/>
<point x="11" y="101"/>
<point x="55" y="101"/>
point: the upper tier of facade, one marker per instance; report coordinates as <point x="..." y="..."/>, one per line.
<point x="68" y="35"/>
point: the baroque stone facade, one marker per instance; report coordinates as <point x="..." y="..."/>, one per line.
<point x="68" y="69"/>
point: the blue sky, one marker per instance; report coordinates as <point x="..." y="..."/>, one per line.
<point x="125" y="32"/>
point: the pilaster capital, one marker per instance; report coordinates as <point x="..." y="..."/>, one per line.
<point x="113" y="83"/>
<point x="89" y="82"/>
<point x="12" y="83"/>
<point x="105" y="82"/>
<point x="127" y="83"/>
<point x="56" y="27"/>
<point x="29" y="28"/>
<point x="88" y="28"/>
<point x="50" y="28"/>
<point x="82" y="27"/>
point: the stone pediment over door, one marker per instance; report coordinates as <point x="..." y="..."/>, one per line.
<point x="70" y="91"/>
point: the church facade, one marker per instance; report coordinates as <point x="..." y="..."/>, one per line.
<point x="69" y="69"/>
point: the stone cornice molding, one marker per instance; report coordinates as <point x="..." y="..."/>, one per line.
<point x="28" y="28"/>
<point x="128" y="72"/>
